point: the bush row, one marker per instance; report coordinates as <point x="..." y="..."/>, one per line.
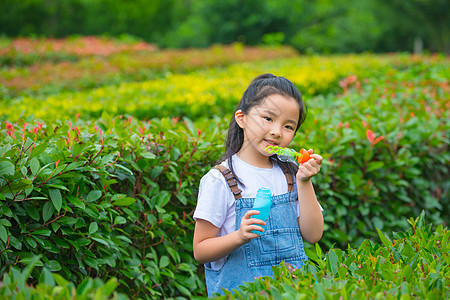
<point x="114" y="197"/>
<point x="108" y="62"/>
<point x="54" y="286"/>
<point x="203" y="93"/>
<point x="414" y="265"/>
<point x="30" y="51"/>
<point x="386" y="147"/>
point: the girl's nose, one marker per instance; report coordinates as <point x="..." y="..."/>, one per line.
<point x="275" y="130"/>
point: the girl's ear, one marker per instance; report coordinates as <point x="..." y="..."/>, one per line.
<point x="239" y="118"/>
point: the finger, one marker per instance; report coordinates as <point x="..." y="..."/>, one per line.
<point x="251" y="235"/>
<point x="312" y="167"/>
<point x="310" y="151"/>
<point x="308" y="165"/>
<point x="306" y="171"/>
<point x="250" y="213"/>
<point x="317" y="157"/>
<point x="256" y="221"/>
<point x="255" y="227"/>
<point x="315" y="165"/>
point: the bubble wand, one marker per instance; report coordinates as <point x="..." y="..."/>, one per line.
<point x="287" y="154"/>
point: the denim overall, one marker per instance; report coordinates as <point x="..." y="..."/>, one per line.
<point x="281" y="241"/>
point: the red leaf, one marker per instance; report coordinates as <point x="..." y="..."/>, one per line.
<point x="370" y="135"/>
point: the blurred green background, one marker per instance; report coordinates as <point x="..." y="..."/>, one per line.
<point x="320" y="26"/>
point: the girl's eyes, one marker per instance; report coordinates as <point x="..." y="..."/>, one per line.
<point x="289" y="127"/>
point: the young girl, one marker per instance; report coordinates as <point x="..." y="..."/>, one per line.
<point x="269" y="113"/>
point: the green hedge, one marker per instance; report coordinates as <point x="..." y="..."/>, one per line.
<point x="385" y="141"/>
<point x="114" y="198"/>
<point x="414" y="265"/>
<point x="105" y="200"/>
<point x="54" y="286"/>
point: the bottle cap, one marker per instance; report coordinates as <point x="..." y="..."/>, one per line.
<point x="264" y="192"/>
<point x="263" y="197"/>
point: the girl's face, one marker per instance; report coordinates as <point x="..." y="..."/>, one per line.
<point x="271" y="123"/>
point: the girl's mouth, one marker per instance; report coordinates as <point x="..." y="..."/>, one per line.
<point x="271" y="142"/>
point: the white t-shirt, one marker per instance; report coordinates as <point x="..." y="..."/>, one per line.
<point x="216" y="202"/>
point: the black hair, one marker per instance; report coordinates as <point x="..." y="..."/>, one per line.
<point x="259" y="89"/>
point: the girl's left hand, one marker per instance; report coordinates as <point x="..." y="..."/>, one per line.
<point x="310" y="168"/>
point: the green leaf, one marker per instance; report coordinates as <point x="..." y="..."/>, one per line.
<point x="100" y="240"/>
<point x="55" y="196"/>
<point x="175" y="255"/>
<point x="84" y="287"/>
<point x="67" y="221"/>
<point x="332" y="261"/>
<point x="93" y="228"/>
<point x="30" y="263"/>
<point x="16" y="186"/>
<point x="318" y="251"/>
<point x="47" y="211"/>
<point x="164" y="262"/>
<point x="74" y="165"/>
<point x="15" y="242"/>
<point x="148" y="155"/>
<point x="34" y="166"/>
<point x="6" y="168"/>
<point x="162" y="198"/>
<point x="24" y="171"/>
<point x="92" y="211"/>
<point x="94" y="195"/>
<point x="31" y="242"/>
<point x="58" y="186"/>
<point x="3" y="234"/>
<point x="32" y="212"/>
<point x="60" y="242"/>
<point x="311" y="254"/>
<point x="124" y="201"/>
<point x="109" y="287"/>
<point x="120" y="220"/>
<point x="82" y="241"/>
<point x="190" y="125"/>
<point x="118" y="196"/>
<point x="42" y="231"/>
<point x="124" y="168"/>
<point x="5" y="222"/>
<point x="375" y="165"/>
<point x="46" y="277"/>
<point x="76" y="202"/>
<point x="91" y="262"/>
<point x="182" y="198"/>
<point x="386" y="242"/>
<point x="182" y="289"/>
<point x="38" y="150"/>
<point x="156" y="171"/>
<point x="60" y="280"/>
<point x="76" y="149"/>
<point x="54" y="266"/>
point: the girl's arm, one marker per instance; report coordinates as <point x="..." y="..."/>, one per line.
<point x="310" y="220"/>
<point x="209" y="247"/>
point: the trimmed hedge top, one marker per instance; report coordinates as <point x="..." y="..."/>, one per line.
<point x="415" y="265"/>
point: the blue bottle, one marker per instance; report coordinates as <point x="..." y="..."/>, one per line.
<point x="262" y="204"/>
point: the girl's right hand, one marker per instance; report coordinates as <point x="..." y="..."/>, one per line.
<point x="248" y="224"/>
